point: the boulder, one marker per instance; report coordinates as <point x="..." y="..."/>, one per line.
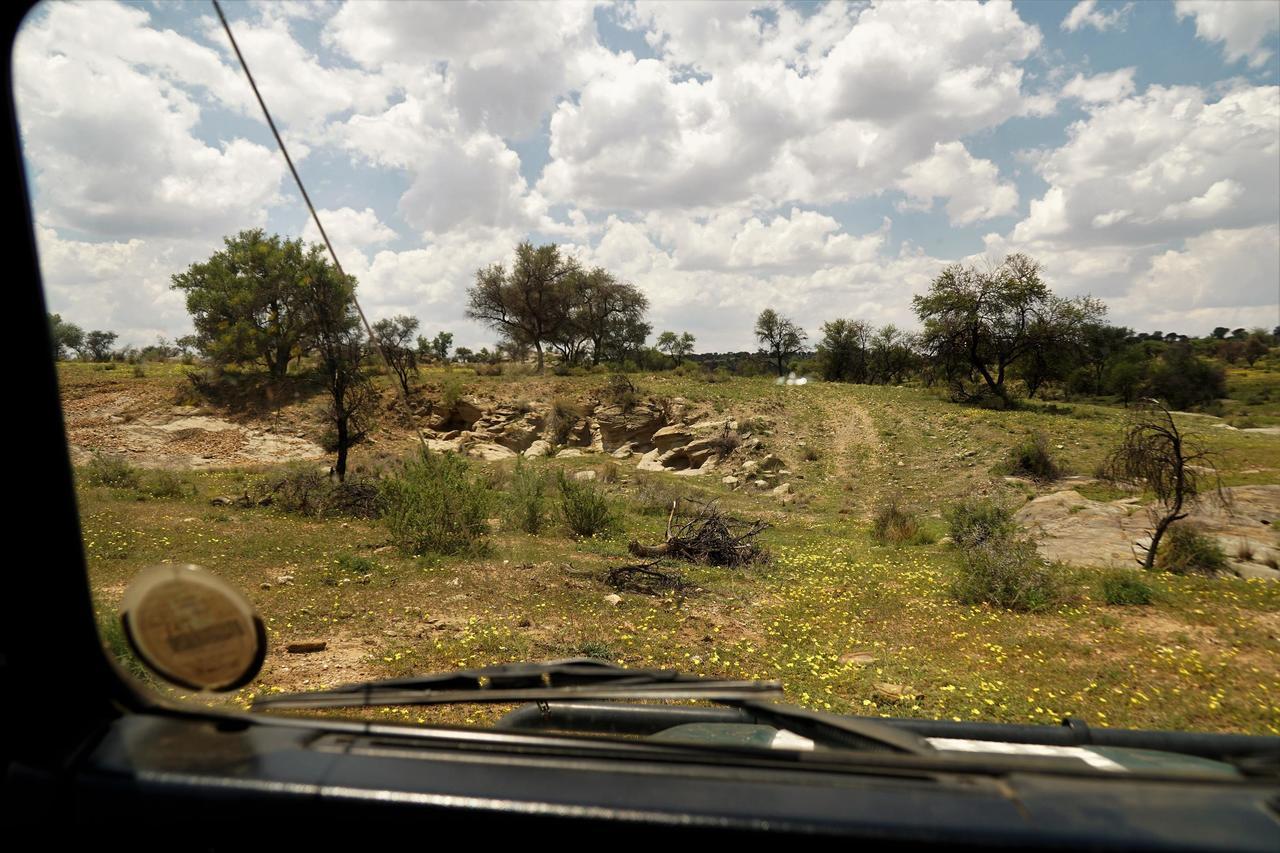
<point x="490" y="452"/>
<point x="750" y="467"/>
<point x="584" y="476"/>
<point x="700" y="450"/>
<point x="649" y="462"/>
<point x="624" y="452"/>
<point x="538" y="448"/>
<point x="669" y="437"/>
<point x="569" y="452"/>
<point x="730" y="481"/>
<point x="781" y="491"/>
<point x="619" y="427"/>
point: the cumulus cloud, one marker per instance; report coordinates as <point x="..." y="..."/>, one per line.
<point x="972" y="186"/>
<point x="1101" y="88"/>
<point x="1245" y="28"/>
<point x="1087" y="14"/>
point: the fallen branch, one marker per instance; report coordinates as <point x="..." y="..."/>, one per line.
<point x="708" y="536"/>
<point x="644" y="578"/>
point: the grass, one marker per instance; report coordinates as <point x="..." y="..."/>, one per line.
<point x="1198" y="657"/>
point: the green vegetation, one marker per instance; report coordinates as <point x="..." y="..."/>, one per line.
<point x="1032" y="458"/>
<point x="104" y="470"/>
<point x="1007" y="572"/>
<point x="527" y="505"/>
<point x="893" y="525"/>
<point x="437" y="505"/>
<point x="1186" y="550"/>
<point x="585" y="508"/>
<point x="1124" y="587"/>
<point x="975" y="521"/>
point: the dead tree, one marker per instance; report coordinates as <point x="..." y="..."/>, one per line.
<point x="1154" y="454"/>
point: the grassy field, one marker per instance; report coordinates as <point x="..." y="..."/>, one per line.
<point x="846" y="624"/>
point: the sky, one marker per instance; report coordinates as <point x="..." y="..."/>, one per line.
<point x="823" y="159"/>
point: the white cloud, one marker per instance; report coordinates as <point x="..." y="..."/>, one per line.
<point x="768" y="123"/>
<point x="972" y="186"/>
<point x="111" y="134"/>
<point x="1244" y="28"/>
<point x="1101" y="88"/>
<point x="349" y="230"/>
<point x="1150" y="168"/>
<point x="1086" y="13"/>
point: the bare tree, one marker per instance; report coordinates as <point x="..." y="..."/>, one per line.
<point x="395" y="335"/>
<point x="1176" y="468"/>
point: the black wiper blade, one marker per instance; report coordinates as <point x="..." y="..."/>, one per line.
<point x="833" y="730"/>
<point x="576" y="678"/>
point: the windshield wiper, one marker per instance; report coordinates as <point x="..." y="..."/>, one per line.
<point x="590" y="678"/>
<point x="575" y="678"/>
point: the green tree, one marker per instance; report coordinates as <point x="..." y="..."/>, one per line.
<point x="97" y="345"/>
<point x="843" y="350"/>
<point x="531" y="303"/>
<point x="979" y="322"/>
<point x="1256" y="346"/>
<point x="781" y="338"/>
<point x="676" y="346"/>
<point x="248" y="301"/>
<point x="1182" y="379"/>
<point x="67" y="337"/>
<point x="394" y="335"/>
<point x="606" y="314"/>
<point x="1220" y="332"/>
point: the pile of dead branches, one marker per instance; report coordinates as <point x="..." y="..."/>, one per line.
<point x="645" y="578"/>
<point x="706" y="535"/>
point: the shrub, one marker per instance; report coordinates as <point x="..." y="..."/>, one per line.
<point x="585" y="508"/>
<point x="104" y="470"/>
<point x="809" y="454"/>
<point x="893" y="525"/>
<point x="564" y="413"/>
<point x="1032" y="458"/>
<point x="437" y="505"/>
<point x="166" y="484"/>
<point x="303" y="489"/>
<point x="139" y="372"/>
<point x="974" y="521"/>
<point x="1123" y="587"/>
<point x="488" y="369"/>
<point x="527" y="493"/>
<point x="621" y="392"/>
<point x="726" y="441"/>
<point x="654" y="495"/>
<point x="1006" y="572"/>
<point x="451" y="392"/>
<point x="1244" y="551"/>
<point x="1186" y="550"/>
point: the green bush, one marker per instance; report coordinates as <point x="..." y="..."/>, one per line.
<point x="451" y="392"/>
<point x="527" y="495"/>
<point x="163" y="483"/>
<point x="1031" y="458"/>
<point x="1006" y="572"/>
<point x="585" y="508"/>
<point x="564" y="414"/>
<point x="112" y="471"/>
<point x="1123" y="587"/>
<point x="893" y="525"/>
<point x="973" y="521"/>
<point x="303" y="489"/>
<point x="438" y="505"/>
<point x="1185" y="550"/>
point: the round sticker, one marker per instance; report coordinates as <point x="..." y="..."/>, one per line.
<point x="193" y="628"/>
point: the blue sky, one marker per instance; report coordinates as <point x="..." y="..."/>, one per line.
<point x="823" y="159"/>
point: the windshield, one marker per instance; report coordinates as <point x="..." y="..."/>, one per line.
<point x="921" y="357"/>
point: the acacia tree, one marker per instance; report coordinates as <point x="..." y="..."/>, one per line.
<point x="333" y="329"/>
<point x="980" y="322"/>
<point x="394" y="335"/>
<point x="843" y="350"/>
<point x="676" y="346"/>
<point x="781" y="337"/>
<point x="1154" y="454"/>
<point x="531" y="303"/>
<point x="97" y="345"/>
<point x="606" y="313"/>
<point x="248" y="302"/>
<point x="67" y="337"/>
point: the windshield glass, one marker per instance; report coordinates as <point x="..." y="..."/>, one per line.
<point x="921" y="357"/>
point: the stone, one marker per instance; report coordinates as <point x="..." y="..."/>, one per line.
<point x="617" y="427"/>
<point x="730" y="480"/>
<point x="624" y="452"/>
<point x="771" y="462"/>
<point x="613" y="599"/>
<point x="585" y="476"/>
<point x="649" y="462"/>
<point x="670" y="437"/>
<point x="490" y="452"/>
<point x="306" y="647"/>
<point x="781" y="491"/>
<point x="761" y="484"/>
<point x="750" y="467"/>
<point x="569" y="453"/>
<point x="538" y="448"/>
